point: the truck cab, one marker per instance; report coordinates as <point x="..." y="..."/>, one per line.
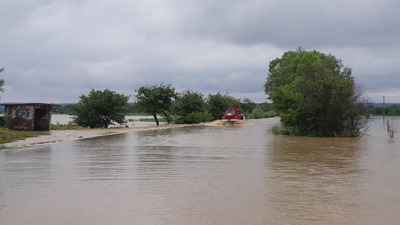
<point x="233" y="114"/>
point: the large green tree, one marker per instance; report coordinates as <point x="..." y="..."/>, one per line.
<point x="100" y="109"/>
<point x="190" y="107"/>
<point x="156" y="99"/>
<point x="315" y="94"/>
<point x="247" y="105"/>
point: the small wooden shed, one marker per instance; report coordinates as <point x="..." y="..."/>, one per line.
<point x="28" y="116"/>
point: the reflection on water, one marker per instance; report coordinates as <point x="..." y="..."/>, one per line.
<point x="315" y="179"/>
<point x="204" y="175"/>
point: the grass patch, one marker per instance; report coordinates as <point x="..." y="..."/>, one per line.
<point x="161" y="120"/>
<point x="259" y="114"/>
<point x="7" y="136"/>
<point x="65" y="127"/>
<point x="280" y="130"/>
<point x="136" y="114"/>
<point x="380" y="116"/>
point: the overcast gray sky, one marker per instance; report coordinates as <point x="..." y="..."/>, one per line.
<point x="56" y="50"/>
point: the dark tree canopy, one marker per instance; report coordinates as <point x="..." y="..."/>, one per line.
<point x="247" y="105"/>
<point x="315" y="94"/>
<point x="100" y="109"/>
<point x="218" y="103"/>
<point x="189" y="101"/>
<point x="156" y="99"/>
<point x="190" y="107"/>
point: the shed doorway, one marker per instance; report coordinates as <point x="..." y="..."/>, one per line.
<point x="41" y="121"/>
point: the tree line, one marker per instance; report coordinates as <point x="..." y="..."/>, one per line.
<point x="101" y="108"/>
<point x="390" y="110"/>
<point x="313" y="93"/>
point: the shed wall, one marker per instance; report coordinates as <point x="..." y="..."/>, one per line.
<point x="28" y="117"/>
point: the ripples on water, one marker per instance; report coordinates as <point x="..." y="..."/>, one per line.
<point x="204" y="175"/>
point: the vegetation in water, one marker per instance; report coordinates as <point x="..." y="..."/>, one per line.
<point x="391" y="128"/>
<point x="187" y="107"/>
<point x="156" y="99"/>
<point x="190" y="108"/>
<point x="217" y="104"/>
<point x="100" y="109"/>
<point x="315" y="95"/>
<point x="390" y="110"/>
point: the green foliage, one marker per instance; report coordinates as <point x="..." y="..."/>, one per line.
<point x="190" y="108"/>
<point x="156" y="100"/>
<point x="69" y="126"/>
<point x="187" y="102"/>
<point x="100" y="109"/>
<point x="195" y="117"/>
<point x="315" y="95"/>
<point x="218" y="103"/>
<point x="279" y="130"/>
<point x="1" y="81"/>
<point x="265" y="106"/>
<point x="258" y="113"/>
<point x="247" y="105"/>
<point x="151" y="120"/>
<point x="133" y="109"/>
<point x="391" y="110"/>
<point x="64" y="109"/>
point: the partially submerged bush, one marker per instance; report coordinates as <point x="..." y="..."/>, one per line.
<point x="258" y="113"/>
<point x="195" y="117"/>
<point x="315" y="95"/>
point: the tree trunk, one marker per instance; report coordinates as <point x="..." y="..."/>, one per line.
<point x="156" y="119"/>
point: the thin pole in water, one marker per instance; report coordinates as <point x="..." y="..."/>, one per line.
<point x="383" y="111"/>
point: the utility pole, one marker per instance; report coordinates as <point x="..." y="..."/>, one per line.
<point x="383" y="111"/>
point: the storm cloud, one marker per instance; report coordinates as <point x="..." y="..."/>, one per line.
<point x="55" y="51"/>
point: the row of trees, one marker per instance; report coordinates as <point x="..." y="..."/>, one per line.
<point x="391" y="110"/>
<point x="102" y="108"/>
<point x="313" y="92"/>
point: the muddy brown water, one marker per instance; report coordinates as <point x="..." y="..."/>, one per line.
<point x="204" y="175"/>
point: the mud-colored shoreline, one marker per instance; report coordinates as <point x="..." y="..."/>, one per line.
<point x="56" y="136"/>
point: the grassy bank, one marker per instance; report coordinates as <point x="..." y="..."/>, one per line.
<point x="65" y="127"/>
<point x="7" y="135"/>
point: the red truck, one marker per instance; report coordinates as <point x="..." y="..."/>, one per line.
<point x="233" y="114"/>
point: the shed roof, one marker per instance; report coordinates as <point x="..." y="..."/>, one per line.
<point x="28" y="103"/>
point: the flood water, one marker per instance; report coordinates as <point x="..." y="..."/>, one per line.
<point x="204" y="175"/>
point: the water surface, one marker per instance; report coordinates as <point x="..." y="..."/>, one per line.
<point x="204" y="175"/>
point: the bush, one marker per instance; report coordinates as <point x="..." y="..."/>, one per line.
<point x="2" y="121"/>
<point x="258" y="113"/>
<point x="156" y="99"/>
<point x="69" y="126"/>
<point x="100" y="109"/>
<point x="195" y="117"/>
